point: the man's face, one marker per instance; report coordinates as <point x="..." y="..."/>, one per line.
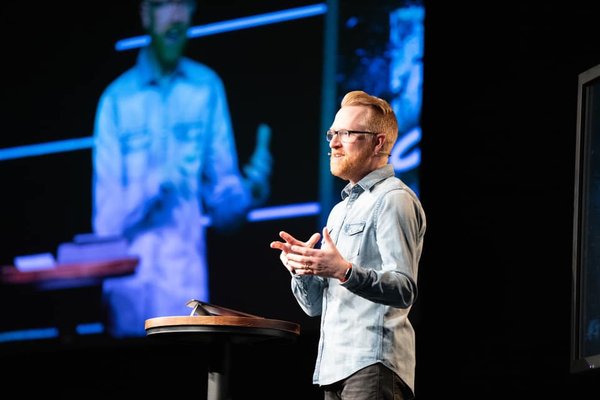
<point x="351" y="161"/>
<point x="167" y="22"/>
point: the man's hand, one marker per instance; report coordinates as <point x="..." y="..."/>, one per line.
<point x="303" y="259"/>
<point x="286" y="246"/>
<point x="258" y="170"/>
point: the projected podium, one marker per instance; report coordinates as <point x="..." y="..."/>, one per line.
<point x="70" y="275"/>
<point x="62" y="297"/>
<point x="220" y="328"/>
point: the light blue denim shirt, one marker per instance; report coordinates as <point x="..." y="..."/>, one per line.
<point x="379" y="227"/>
<point x="164" y="149"/>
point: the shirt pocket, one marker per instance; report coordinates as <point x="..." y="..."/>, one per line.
<point x="135" y="147"/>
<point x="352" y="238"/>
<point x="188" y="148"/>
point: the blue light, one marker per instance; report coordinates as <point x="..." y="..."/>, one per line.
<point x="233" y="24"/>
<point x="351" y="22"/>
<point x="46" y="148"/>
<point x="29" y="334"/>
<point x="48" y="333"/>
<point x="292" y="210"/>
<point x="132" y="43"/>
<point x="93" y="328"/>
<point x="276" y="212"/>
<point x="402" y="160"/>
<point x="257" y="20"/>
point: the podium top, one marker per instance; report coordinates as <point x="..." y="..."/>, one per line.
<point x="210" y="328"/>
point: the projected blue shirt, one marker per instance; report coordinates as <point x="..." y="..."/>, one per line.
<point x="164" y="157"/>
<point x="378" y="227"/>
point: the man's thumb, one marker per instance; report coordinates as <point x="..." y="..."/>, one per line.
<point x="263" y="137"/>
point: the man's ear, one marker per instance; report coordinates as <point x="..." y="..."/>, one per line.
<point x="379" y="144"/>
<point x="145" y="14"/>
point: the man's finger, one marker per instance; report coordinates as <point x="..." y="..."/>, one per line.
<point x="314" y="239"/>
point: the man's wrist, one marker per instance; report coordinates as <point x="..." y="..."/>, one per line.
<point x="347" y="274"/>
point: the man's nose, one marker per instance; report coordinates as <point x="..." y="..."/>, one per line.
<point x="335" y="141"/>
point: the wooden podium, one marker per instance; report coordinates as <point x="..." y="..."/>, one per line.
<point x="219" y="328"/>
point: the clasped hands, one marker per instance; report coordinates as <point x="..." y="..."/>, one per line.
<point x="302" y="258"/>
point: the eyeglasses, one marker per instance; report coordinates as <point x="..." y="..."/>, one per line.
<point x="346" y="135"/>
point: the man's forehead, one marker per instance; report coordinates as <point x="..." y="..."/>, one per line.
<point x="355" y="115"/>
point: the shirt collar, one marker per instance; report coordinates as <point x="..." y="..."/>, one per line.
<point x="370" y="180"/>
<point x="149" y="69"/>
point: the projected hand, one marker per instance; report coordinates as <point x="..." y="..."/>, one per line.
<point x="258" y="170"/>
<point x="167" y="199"/>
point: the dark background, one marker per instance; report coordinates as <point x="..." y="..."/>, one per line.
<point x="497" y="182"/>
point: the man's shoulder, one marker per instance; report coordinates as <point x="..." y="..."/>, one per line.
<point x="395" y="186"/>
<point x="198" y="70"/>
<point x="389" y="183"/>
<point x="124" y="81"/>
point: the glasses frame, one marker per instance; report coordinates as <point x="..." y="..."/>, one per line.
<point x="345" y="133"/>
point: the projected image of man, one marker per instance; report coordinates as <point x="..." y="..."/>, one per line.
<point x="165" y="160"/>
